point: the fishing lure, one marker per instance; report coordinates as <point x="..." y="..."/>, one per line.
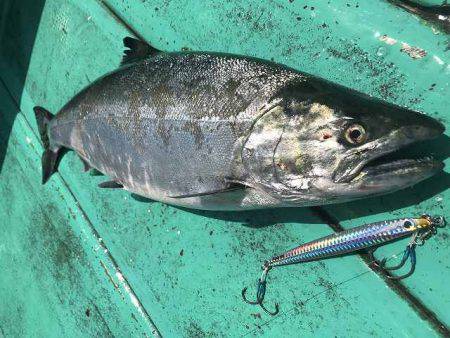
<point x="369" y="236"/>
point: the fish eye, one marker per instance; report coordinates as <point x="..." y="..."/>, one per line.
<point x="407" y="224"/>
<point x="355" y="134"/>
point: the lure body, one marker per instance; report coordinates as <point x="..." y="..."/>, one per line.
<point x="350" y="240"/>
<point x="362" y="237"/>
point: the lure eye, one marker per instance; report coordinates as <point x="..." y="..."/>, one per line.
<point x="355" y="134"/>
<point x="407" y="224"/>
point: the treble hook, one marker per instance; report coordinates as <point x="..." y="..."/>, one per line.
<point x="261" y="291"/>
<point x="410" y="252"/>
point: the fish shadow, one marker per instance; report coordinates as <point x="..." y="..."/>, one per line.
<point x="438" y="148"/>
<point x="262" y="217"/>
<point x="19" y="22"/>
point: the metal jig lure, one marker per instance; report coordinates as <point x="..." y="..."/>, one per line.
<point x="369" y="236"/>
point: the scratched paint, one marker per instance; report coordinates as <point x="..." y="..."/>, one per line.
<point x="413" y="52"/>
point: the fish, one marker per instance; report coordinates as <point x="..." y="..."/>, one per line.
<point x="217" y="131"/>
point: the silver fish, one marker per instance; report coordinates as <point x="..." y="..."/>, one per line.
<point x="226" y="132"/>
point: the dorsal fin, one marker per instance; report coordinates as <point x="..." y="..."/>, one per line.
<point x="137" y="50"/>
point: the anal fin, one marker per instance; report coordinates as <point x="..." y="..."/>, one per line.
<point x="95" y="172"/>
<point x="86" y="165"/>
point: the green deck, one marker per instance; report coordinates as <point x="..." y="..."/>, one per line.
<point x="80" y="261"/>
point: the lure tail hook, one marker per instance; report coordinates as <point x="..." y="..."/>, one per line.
<point x="261" y="291"/>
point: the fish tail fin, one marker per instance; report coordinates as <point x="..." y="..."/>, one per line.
<point x="51" y="156"/>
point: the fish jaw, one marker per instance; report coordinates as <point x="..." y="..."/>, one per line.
<point x="393" y="176"/>
<point x="376" y="180"/>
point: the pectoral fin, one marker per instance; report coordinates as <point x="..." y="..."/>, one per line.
<point x="231" y="187"/>
<point x="110" y="185"/>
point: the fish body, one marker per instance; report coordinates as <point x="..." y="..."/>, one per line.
<point x="226" y="132"/>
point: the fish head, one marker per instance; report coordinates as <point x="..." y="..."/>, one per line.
<point x="324" y="143"/>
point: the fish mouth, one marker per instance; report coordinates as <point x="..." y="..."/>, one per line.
<point x="380" y="159"/>
<point x="402" y="172"/>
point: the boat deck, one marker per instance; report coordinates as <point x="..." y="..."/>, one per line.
<point x="77" y="260"/>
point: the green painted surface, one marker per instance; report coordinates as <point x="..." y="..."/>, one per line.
<point x="187" y="268"/>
